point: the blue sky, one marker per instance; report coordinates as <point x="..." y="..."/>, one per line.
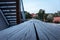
<point x="33" y="6"/>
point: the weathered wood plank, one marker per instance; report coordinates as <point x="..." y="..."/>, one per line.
<point x="19" y="32"/>
<point x="26" y="31"/>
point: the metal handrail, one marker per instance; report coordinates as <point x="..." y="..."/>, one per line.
<point x="4" y="17"/>
<point x="22" y="9"/>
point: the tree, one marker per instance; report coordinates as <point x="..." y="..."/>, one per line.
<point x="45" y="17"/>
<point x="57" y="14"/>
<point x="50" y="17"/>
<point x="28" y="15"/>
<point x="41" y="14"/>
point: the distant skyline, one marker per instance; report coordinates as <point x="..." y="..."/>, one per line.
<point x="33" y="6"/>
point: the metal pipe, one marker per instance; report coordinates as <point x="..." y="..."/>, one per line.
<point x="4" y="16"/>
<point x="22" y="9"/>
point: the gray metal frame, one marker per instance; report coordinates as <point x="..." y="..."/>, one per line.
<point x="4" y="17"/>
<point x="22" y="9"/>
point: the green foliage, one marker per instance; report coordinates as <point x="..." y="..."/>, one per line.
<point x="50" y="17"/>
<point x="45" y="15"/>
<point x="57" y="14"/>
<point x="28" y="15"/>
<point x="41" y="14"/>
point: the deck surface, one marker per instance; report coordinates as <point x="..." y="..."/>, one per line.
<point x="32" y="30"/>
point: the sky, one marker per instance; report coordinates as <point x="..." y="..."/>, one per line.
<point x="33" y="6"/>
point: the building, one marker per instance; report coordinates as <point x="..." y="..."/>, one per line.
<point x="34" y="15"/>
<point x="56" y="19"/>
